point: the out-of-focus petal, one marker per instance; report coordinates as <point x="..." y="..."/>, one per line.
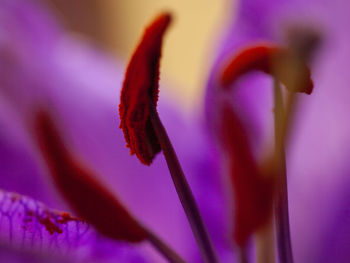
<point x="27" y="37"/>
<point x="334" y="242"/>
<point x="10" y="254"/>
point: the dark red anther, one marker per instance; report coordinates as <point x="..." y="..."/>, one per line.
<point x="272" y="60"/>
<point x="87" y="196"/>
<point x="140" y="88"/>
<point x="253" y="191"/>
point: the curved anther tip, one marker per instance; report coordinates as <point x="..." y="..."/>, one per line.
<point x="253" y="57"/>
<point x="140" y="87"/>
<point x="164" y="19"/>
<point x="270" y="59"/>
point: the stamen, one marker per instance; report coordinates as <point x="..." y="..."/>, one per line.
<point x="140" y="85"/>
<point x="242" y="255"/>
<point x="252" y="190"/>
<point x="270" y="59"/>
<point x="265" y="249"/>
<point x="144" y="132"/>
<point x="302" y="44"/>
<point x="89" y="197"/>
<point x="281" y="202"/>
<point x="184" y="192"/>
<point x="288" y="66"/>
<point x="164" y="249"/>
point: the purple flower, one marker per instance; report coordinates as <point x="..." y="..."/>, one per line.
<point x="44" y="68"/>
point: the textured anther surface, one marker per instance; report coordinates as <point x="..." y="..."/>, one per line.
<point x="140" y="88"/>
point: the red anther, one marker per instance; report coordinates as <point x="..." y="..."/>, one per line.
<point x="50" y="224"/>
<point x="265" y="58"/>
<point x="140" y="88"/>
<point x="253" y="192"/>
<point x="86" y="195"/>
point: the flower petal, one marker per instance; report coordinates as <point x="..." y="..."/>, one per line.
<point x="28" y="225"/>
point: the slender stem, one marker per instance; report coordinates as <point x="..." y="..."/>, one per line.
<point x="184" y="192"/>
<point x="265" y="249"/>
<point x="281" y="120"/>
<point x="242" y="255"/>
<point x="164" y="249"/>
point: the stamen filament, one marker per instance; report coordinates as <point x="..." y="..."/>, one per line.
<point x="183" y="190"/>
<point x="242" y="255"/>
<point x="265" y="249"/>
<point x="164" y="249"/>
<point x="281" y="121"/>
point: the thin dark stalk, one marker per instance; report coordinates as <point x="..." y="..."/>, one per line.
<point x="265" y="244"/>
<point x="184" y="192"/>
<point x="281" y="119"/>
<point x="242" y="255"/>
<point x="164" y="249"/>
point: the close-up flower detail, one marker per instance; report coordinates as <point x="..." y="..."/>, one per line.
<point x="140" y="88"/>
<point x="269" y="59"/>
<point x="257" y="174"/>
<point x="80" y="188"/>
<point x="253" y="189"/>
<point x="143" y="103"/>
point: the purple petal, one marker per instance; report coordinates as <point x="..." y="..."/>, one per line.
<point x="334" y="242"/>
<point x="27" y="37"/>
<point x="10" y="254"/>
<point x="27" y="224"/>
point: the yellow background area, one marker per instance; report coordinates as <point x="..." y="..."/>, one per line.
<point x="188" y="47"/>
